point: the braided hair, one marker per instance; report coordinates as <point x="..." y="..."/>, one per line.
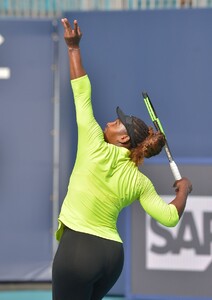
<point x="150" y="146"/>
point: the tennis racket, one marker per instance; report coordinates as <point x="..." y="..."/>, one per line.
<point x="158" y="126"/>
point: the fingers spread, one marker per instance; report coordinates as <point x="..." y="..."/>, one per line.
<point x="66" y="23"/>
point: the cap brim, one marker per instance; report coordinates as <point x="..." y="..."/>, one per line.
<point x="127" y="122"/>
<point x="121" y="115"/>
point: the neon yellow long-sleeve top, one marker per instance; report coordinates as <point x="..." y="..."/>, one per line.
<point x="104" y="179"/>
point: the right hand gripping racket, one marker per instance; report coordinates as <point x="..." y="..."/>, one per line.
<point x="159" y="127"/>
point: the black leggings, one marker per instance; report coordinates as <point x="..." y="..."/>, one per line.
<point x="85" y="266"/>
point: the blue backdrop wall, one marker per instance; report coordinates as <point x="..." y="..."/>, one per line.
<point x="167" y="54"/>
<point x="26" y="150"/>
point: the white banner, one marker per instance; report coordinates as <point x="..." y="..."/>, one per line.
<point x="186" y="247"/>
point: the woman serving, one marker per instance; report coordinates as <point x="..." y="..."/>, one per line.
<point x="105" y="179"/>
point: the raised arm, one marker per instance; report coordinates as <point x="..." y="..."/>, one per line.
<point x="72" y="38"/>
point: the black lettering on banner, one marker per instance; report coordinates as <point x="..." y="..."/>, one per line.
<point x="162" y="232"/>
<point x="181" y="241"/>
<point x="188" y="224"/>
<point x="207" y="232"/>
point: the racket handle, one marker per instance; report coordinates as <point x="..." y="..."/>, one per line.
<point x="175" y="170"/>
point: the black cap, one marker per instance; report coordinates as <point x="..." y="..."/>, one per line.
<point x="136" y="128"/>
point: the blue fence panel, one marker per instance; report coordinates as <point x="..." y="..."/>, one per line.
<point x="26" y="150"/>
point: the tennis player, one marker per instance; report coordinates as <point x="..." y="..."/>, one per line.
<point x="105" y="179"/>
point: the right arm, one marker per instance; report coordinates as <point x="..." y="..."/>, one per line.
<point x="183" y="188"/>
<point x="72" y="38"/>
<point x="157" y="208"/>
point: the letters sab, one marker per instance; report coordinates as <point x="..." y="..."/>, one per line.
<point x="173" y="244"/>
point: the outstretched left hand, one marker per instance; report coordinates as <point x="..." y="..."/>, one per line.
<point x="72" y="36"/>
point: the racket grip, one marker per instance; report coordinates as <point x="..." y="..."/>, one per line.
<point x="175" y="170"/>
